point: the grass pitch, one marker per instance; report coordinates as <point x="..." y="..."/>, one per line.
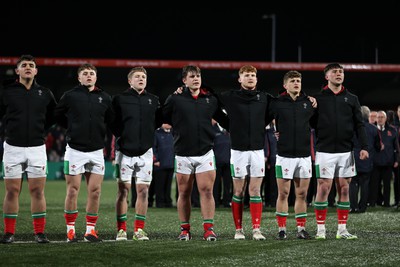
<point x="378" y="242"/>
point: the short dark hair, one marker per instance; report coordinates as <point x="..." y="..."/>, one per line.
<point x="332" y="66"/>
<point x="87" y="66"/>
<point x="26" y="58"/>
<point x="291" y="74"/>
<point x="190" y="68"/>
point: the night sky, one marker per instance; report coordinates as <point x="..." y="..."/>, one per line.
<point x="326" y="32"/>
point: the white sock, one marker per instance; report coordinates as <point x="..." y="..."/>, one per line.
<point x="341" y="227"/>
<point x="69" y="227"/>
<point x="321" y="227"/>
<point x="89" y="229"/>
<point x="282" y="229"/>
<point x="300" y="228"/>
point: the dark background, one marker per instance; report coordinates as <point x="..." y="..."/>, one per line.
<point x="318" y="32"/>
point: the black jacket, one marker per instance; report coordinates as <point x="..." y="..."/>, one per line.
<point x="374" y="146"/>
<point x="248" y="115"/>
<point x="85" y="114"/>
<point x="292" y="120"/>
<point x="191" y="120"/>
<point x="338" y="116"/>
<point x="391" y="152"/>
<point x="163" y="149"/>
<point x="136" y="118"/>
<point x="27" y="114"/>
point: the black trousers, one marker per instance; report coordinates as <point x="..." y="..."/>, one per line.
<point x="162" y="180"/>
<point x="223" y="185"/>
<point x="359" y="185"/>
<point x="380" y="175"/>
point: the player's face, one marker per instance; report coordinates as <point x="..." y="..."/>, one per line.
<point x="87" y="77"/>
<point x="248" y="80"/>
<point x="138" y="81"/>
<point x="193" y="80"/>
<point x="26" y="69"/>
<point x="335" y="76"/>
<point x="293" y="86"/>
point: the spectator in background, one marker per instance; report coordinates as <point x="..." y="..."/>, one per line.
<point x="359" y="184"/>
<point x="223" y="181"/>
<point x="392" y="120"/>
<point x="163" y="171"/>
<point x="26" y="109"/>
<point x="137" y="114"/>
<point x="396" y="171"/>
<point x="384" y="162"/>
<point x="373" y="117"/>
<point x="85" y="112"/>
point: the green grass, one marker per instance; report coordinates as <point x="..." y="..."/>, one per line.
<point x="378" y="244"/>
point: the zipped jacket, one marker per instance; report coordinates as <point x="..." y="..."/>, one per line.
<point x="338" y="116"/>
<point x="190" y="119"/>
<point x="137" y="116"/>
<point x="85" y="115"/>
<point x="292" y="120"/>
<point x="248" y="116"/>
<point x="26" y="114"/>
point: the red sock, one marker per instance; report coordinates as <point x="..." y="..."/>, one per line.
<point x="121" y="225"/>
<point x="342" y="216"/>
<point x="301" y="222"/>
<point x="9" y="223"/>
<point x="139" y="222"/>
<point x="237" y="211"/>
<point x="256" y="211"/>
<point x="320" y="215"/>
<point x="185" y="226"/>
<point x="70" y="218"/>
<point x="39" y="224"/>
<point x="207" y="225"/>
<point x="91" y="219"/>
<point x="281" y="220"/>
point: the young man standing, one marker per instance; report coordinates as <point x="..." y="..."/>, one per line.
<point x="293" y="111"/>
<point x="27" y="111"/>
<point x="338" y="116"/>
<point x="85" y="111"/>
<point x="137" y="115"/>
<point x="247" y="110"/>
<point x="190" y="113"/>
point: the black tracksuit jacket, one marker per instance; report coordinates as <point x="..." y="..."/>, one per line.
<point x="337" y="117"/>
<point x="137" y="116"/>
<point x="248" y="115"/>
<point x="27" y="114"/>
<point x="292" y="120"/>
<point x="85" y="114"/>
<point x="191" y="121"/>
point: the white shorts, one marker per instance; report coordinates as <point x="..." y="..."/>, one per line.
<point x="17" y="160"/>
<point x="249" y="163"/>
<point x="189" y="165"/>
<point x="331" y="165"/>
<point x="289" y="168"/>
<point x="78" y="162"/>
<point x="140" y="167"/>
